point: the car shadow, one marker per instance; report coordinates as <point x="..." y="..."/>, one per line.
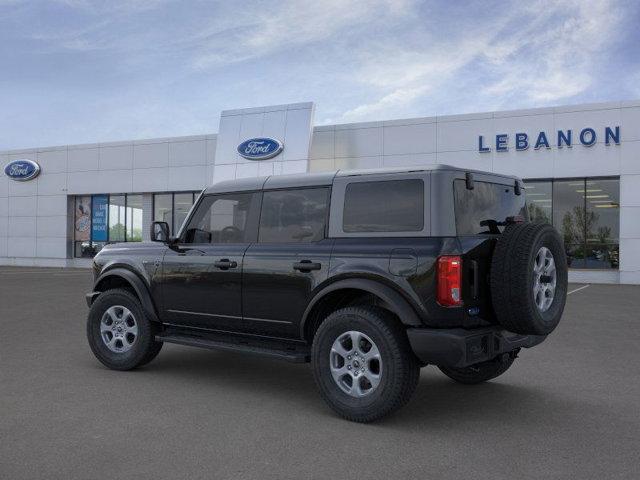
<point x="438" y="402"/>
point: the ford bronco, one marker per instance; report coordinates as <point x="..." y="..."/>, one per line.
<point x="367" y="275"/>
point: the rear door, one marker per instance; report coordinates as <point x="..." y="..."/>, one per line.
<point x="481" y="211"/>
<point x="289" y="260"/>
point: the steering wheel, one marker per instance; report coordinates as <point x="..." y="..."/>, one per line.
<point x="230" y="233"/>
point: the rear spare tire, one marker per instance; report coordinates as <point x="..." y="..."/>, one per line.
<point x="529" y="278"/>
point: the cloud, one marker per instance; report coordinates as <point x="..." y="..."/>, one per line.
<point x="555" y="63"/>
<point x="124" y="69"/>
<point x="541" y="53"/>
<point x="289" y="23"/>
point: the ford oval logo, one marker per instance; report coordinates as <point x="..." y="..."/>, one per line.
<point x="22" y="170"/>
<point x="260" y="148"/>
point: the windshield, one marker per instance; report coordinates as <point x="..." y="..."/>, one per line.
<point x="486" y="203"/>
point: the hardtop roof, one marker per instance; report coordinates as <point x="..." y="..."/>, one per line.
<point x="326" y="178"/>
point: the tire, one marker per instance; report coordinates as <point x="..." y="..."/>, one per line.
<point x="520" y="279"/>
<point x="127" y="350"/>
<point x="480" y="372"/>
<point x="395" y="371"/>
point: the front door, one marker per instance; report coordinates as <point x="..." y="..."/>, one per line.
<point x="290" y="259"/>
<point x="202" y="272"/>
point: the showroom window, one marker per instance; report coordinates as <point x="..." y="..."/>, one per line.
<point x="173" y="208"/>
<point x="102" y="219"/>
<point x="586" y="212"/>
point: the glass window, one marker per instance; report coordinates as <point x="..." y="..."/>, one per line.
<point x="603" y="223"/>
<point x="570" y="219"/>
<point x="586" y="212"/>
<point x="224" y="219"/>
<point x="294" y="215"/>
<point x="134" y="218"/>
<point x="117" y="215"/>
<point x="182" y="204"/>
<point x="486" y="202"/>
<point x="539" y="201"/>
<point x="163" y="208"/>
<point x="385" y="206"/>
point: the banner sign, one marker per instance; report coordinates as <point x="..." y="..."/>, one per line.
<point x="99" y="208"/>
<point x="82" y="219"/>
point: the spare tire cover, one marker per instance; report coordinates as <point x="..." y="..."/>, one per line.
<point x="528" y="278"/>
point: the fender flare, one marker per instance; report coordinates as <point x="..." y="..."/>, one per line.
<point x="137" y="284"/>
<point x="397" y="303"/>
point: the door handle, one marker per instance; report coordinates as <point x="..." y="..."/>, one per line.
<point x="225" y="264"/>
<point x="306" y="266"/>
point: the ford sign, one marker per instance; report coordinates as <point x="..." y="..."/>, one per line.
<point x="260" y="148"/>
<point x="22" y="170"/>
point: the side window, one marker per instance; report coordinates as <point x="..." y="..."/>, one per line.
<point x="228" y="218"/>
<point x="293" y="215"/>
<point x="384" y="206"/>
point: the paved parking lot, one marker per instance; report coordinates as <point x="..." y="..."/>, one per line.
<point x="567" y="409"/>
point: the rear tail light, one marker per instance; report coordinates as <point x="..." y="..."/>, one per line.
<point x="449" y="280"/>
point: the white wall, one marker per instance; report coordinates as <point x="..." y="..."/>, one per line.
<point x="290" y="124"/>
<point x="34" y="223"/>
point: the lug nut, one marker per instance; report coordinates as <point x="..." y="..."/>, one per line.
<point x="348" y="357"/>
<point x="348" y="367"/>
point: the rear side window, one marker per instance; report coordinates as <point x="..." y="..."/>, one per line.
<point x="384" y="206"/>
<point x="487" y="201"/>
<point x="293" y="215"/>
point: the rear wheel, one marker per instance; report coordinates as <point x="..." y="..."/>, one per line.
<point x="363" y="364"/>
<point x="480" y="372"/>
<point x="119" y="333"/>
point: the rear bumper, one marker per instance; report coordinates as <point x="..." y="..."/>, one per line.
<point x="457" y="347"/>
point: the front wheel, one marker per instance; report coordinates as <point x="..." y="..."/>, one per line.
<point x="119" y="333"/>
<point x="363" y="364"/>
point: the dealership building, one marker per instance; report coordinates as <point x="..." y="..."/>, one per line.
<point x="581" y="165"/>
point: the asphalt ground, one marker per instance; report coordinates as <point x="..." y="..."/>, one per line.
<point x="569" y="408"/>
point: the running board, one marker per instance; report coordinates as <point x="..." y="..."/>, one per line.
<point x="296" y="353"/>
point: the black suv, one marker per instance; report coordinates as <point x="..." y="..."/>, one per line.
<point x="368" y="275"/>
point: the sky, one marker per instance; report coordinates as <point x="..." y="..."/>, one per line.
<point x="80" y="71"/>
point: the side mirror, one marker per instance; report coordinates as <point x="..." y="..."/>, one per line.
<point x="160" y="232"/>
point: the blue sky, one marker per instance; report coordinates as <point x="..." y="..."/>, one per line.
<point x="79" y="71"/>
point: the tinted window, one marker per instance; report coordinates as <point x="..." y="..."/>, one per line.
<point x="487" y="201"/>
<point x="387" y="206"/>
<point x="224" y="219"/>
<point x="586" y="212"/>
<point x="294" y="215"/>
<point x="163" y="208"/>
<point x="134" y="218"/>
<point x="539" y="201"/>
<point x="117" y="213"/>
<point x="182" y="203"/>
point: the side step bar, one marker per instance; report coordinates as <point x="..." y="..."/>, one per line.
<point x="296" y="353"/>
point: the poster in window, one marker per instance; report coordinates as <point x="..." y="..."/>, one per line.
<point x="83" y="219"/>
<point x="99" y="208"/>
